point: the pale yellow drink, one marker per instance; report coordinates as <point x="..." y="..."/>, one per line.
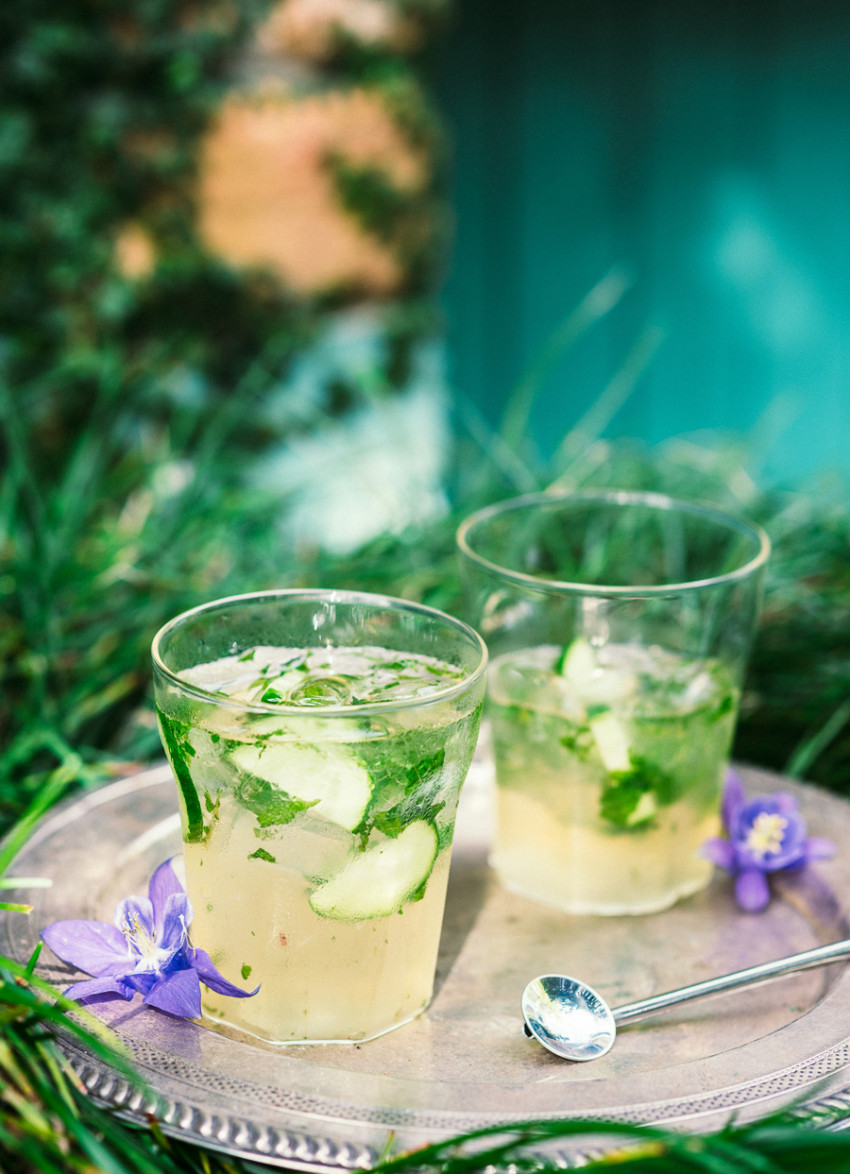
<point x="317" y="838"/>
<point x="609" y="764"/>
<point x="321" y="979"/>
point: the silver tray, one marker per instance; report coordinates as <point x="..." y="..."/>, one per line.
<point x="466" y="1063"/>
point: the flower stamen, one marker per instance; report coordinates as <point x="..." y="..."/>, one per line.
<point x="766" y="834"/>
<point x="137" y="937"/>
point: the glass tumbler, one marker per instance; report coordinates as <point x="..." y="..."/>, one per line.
<point x="319" y="741"/>
<point x="618" y="626"/>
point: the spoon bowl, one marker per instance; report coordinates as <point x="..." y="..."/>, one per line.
<point x="568" y="1017"/>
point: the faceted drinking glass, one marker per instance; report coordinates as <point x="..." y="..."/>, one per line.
<point x="319" y="740"/>
<point x="618" y="626"/>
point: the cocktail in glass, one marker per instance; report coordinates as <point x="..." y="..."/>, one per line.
<point x="618" y="626"/>
<point x="319" y="740"/>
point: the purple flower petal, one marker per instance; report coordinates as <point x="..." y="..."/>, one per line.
<point x="733" y="798"/>
<point x="751" y="890"/>
<point x="179" y="993"/>
<point x="203" y="964"/>
<point x="819" y="848"/>
<point x="98" y="988"/>
<point x="141" y="981"/>
<point x="786" y="803"/>
<point x="95" y="947"/>
<point x="163" y="884"/>
<point x="719" y="851"/>
<point x="135" y="914"/>
<point x="174" y="918"/>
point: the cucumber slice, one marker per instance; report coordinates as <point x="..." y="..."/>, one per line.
<point x="577" y="662"/>
<point x="179" y="750"/>
<point x="611" y="741"/>
<point x="594" y="683"/>
<point x="645" y="809"/>
<point x="377" y="881"/>
<point x="330" y="777"/>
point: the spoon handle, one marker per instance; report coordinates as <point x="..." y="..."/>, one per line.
<point x="819" y="956"/>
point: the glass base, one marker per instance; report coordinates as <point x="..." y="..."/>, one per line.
<point x="587" y="906"/>
<point x="235" y="1031"/>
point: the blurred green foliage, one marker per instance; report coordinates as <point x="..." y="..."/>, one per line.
<point x="107" y="382"/>
<point x="129" y="404"/>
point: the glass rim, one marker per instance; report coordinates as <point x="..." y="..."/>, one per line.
<point x="652" y="500"/>
<point x="377" y="601"/>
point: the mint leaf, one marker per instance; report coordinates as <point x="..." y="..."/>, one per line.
<point x="578" y="741"/>
<point x="271" y="806"/>
<point x="406" y="780"/>
<point x="630" y="798"/>
<point x="655" y="779"/>
<point x="213" y="807"/>
<point x="425" y="770"/>
<point x="619" y="800"/>
<point x="329" y="690"/>
<point x="396" y="819"/>
<point x="261" y="854"/>
<point x="726" y="705"/>
<point x="409" y="763"/>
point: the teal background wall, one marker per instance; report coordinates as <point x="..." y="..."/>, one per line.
<point x="700" y="146"/>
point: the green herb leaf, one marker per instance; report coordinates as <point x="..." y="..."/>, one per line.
<point x="261" y="854"/>
<point x="425" y="770"/>
<point x="406" y="782"/>
<point x="578" y="741"/>
<point x="396" y="819"/>
<point x="175" y="735"/>
<point x="271" y="806"/>
<point x="631" y="798"/>
<point x="213" y="806"/>
<point x="725" y="706"/>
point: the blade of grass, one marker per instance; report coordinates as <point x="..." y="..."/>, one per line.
<point x="809" y="751"/>
<point x="601" y="412"/>
<point x="56" y="784"/>
<point x="597" y="303"/>
<point x="500" y="456"/>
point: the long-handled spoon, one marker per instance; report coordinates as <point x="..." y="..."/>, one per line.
<point x="574" y="1021"/>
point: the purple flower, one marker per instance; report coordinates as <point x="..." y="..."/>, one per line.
<point x="765" y="834"/>
<point x="146" y="951"/>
